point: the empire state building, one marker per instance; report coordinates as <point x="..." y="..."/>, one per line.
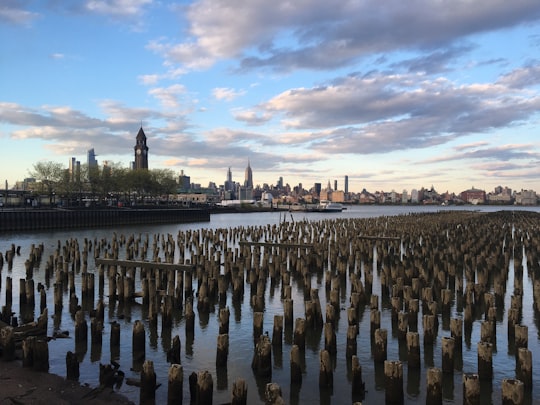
<point x="248" y="182"/>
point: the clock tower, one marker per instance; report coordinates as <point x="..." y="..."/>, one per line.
<point x="141" y="151"/>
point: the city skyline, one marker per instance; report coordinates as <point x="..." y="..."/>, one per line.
<point x="443" y="94"/>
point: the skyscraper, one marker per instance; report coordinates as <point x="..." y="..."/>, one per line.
<point x="92" y="161"/>
<point x="248" y="182"/>
<point x="141" y="151"/>
<point x="346" y="184"/>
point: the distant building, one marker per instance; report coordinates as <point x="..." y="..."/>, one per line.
<point x="404" y="197"/>
<point x="74" y="170"/>
<point x="338" y="196"/>
<point x="526" y="197"/>
<point x="91" y="159"/>
<point x="414" y="196"/>
<point x="346" y="185"/>
<point x="184" y="181"/>
<point x="473" y="196"/>
<point x="245" y="192"/>
<point x="317" y="189"/>
<point x="141" y="151"/>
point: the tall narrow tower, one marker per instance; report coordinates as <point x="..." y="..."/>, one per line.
<point x="249" y="177"/>
<point x="141" y="151"/>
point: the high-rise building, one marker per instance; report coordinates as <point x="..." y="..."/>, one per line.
<point x="346" y="185"/>
<point x="184" y="181"/>
<point x="335" y="185"/>
<point x="317" y="187"/>
<point x="141" y="151"/>
<point x="74" y="170"/>
<point x="229" y="185"/>
<point x="91" y="160"/>
<point x="248" y="182"/>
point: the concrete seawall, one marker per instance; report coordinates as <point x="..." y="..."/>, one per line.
<point x="26" y="220"/>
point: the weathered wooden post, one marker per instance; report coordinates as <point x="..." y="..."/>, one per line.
<point x="262" y="358"/>
<point x="224" y="315"/>
<point x="222" y="350"/>
<point x="358" y="386"/>
<point x="190" y="319"/>
<point x="485" y="360"/>
<point x="28" y="351"/>
<point x="288" y="312"/>
<point x="72" y="366"/>
<point x="205" y="388"/>
<point x="41" y="355"/>
<point x="326" y="372"/>
<point x="277" y="332"/>
<point x="175" y="390"/>
<point x="272" y="394"/>
<point x="81" y="327"/>
<point x="296" y="367"/>
<point x="434" y="386"/>
<point x="471" y="389"/>
<point x="352" y="346"/>
<point x="138" y="346"/>
<point x="513" y="392"/>
<point x="330" y="340"/>
<point x="7" y="342"/>
<point x="524" y="366"/>
<point x="173" y="354"/>
<point x="239" y="392"/>
<point x="393" y="382"/>
<point x="380" y="345"/>
<point x="257" y="325"/>
<point x="148" y="384"/>
<point x="299" y="337"/>
<point x="448" y="344"/>
<point x="413" y="349"/>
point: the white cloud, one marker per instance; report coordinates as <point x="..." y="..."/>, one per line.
<point x="117" y="8"/>
<point x="227" y="94"/>
<point x="168" y="96"/>
<point x="12" y="12"/>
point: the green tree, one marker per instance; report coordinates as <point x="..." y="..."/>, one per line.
<point x="50" y="175"/>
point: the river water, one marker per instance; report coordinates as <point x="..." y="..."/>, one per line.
<point x="200" y="354"/>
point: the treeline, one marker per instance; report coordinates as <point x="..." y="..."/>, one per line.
<point x="111" y="182"/>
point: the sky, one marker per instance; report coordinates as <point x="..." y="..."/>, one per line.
<point x="397" y="95"/>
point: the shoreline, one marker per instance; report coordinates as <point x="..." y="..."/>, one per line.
<point x="23" y="385"/>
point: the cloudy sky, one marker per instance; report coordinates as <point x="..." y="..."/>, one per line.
<point x="395" y="94"/>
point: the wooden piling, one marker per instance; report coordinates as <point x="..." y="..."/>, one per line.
<point x="262" y="357"/>
<point x="138" y="345"/>
<point x="205" y="387"/>
<point x="326" y="372"/>
<point x="471" y="389"/>
<point x="72" y="366"/>
<point x="148" y="384"/>
<point x="448" y="344"/>
<point x="239" y="392"/>
<point x="222" y="352"/>
<point x="512" y="392"/>
<point x="175" y="389"/>
<point x="524" y="367"/>
<point x="295" y="364"/>
<point x="7" y="343"/>
<point x="393" y="382"/>
<point x="299" y="337"/>
<point x="358" y="385"/>
<point x="485" y="360"/>
<point x="413" y="350"/>
<point x="380" y="345"/>
<point x="434" y="386"/>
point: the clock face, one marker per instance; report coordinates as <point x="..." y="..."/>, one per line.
<point x="138" y="151"/>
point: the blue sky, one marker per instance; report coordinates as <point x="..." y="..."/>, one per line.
<point x="395" y="94"/>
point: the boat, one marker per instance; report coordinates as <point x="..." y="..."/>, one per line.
<point x="329" y="206"/>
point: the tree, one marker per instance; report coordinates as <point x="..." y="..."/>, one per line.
<point x="49" y="174"/>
